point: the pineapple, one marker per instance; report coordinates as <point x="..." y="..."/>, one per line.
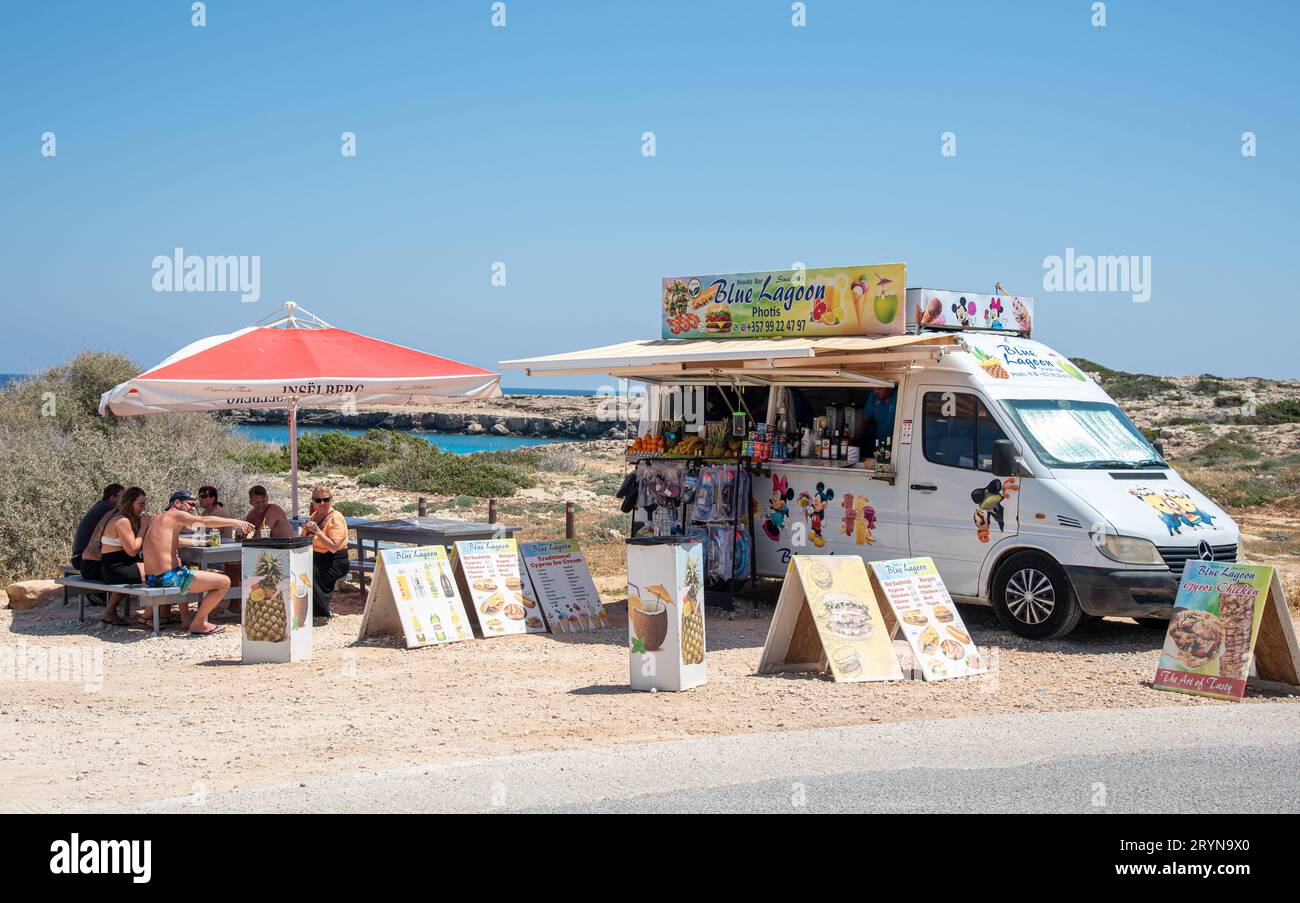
<point x="992" y="366"/>
<point x="693" y="616"/>
<point x="264" y="618"/>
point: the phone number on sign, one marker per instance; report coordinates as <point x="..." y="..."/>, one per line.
<point x="784" y="326"/>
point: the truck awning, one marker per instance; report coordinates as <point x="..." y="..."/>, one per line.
<point x="789" y="360"/>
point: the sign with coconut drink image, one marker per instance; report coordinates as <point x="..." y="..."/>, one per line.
<point x="277" y="605"/>
<point x="1225" y="616"/>
<point x="665" y="613"/>
<point x="828" y="301"/>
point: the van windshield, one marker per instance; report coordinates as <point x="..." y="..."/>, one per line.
<point x="1083" y="434"/>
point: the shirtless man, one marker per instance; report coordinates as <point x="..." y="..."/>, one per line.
<point x="266" y="516"/>
<point x="162" y="566"/>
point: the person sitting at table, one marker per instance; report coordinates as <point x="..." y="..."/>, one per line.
<point x="211" y="506"/>
<point x="265" y="516"/>
<point x="163" y="568"/>
<point x="328" y="530"/>
<point x="88" y="566"/>
<point x="120" y="542"/>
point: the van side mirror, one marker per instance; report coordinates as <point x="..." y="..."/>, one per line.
<point x="1004" y="458"/>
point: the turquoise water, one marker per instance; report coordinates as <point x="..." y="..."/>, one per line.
<point x="458" y="443"/>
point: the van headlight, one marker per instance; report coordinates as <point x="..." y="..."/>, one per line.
<point x="1127" y="549"/>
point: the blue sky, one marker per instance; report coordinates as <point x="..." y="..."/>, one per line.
<point x="522" y="145"/>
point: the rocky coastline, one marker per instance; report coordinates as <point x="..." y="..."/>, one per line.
<point x="535" y="417"/>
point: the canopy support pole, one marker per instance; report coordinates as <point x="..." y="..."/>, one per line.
<point x="293" y="456"/>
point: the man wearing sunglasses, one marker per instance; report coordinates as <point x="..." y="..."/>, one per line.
<point x="162" y="564"/>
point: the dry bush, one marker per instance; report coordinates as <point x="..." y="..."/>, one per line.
<point x="54" y="467"/>
<point x="562" y="458"/>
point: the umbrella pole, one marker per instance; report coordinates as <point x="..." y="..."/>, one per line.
<point x="293" y="456"/>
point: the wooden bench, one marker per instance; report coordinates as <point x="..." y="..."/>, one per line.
<point x="149" y="597"/>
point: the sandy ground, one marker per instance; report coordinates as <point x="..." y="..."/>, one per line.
<point x="174" y="715"/>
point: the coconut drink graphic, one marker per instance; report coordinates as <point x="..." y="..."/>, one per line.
<point x="649" y="615"/>
<point x="301" y="599"/>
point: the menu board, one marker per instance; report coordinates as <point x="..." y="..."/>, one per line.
<point x="827" y="617"/>
<point x="490" y="570"/>
<point x="564" y="586"/>
<point x="413" y="590"/>
<point x="1212" y="635"/>
<point x="930" y="621"/>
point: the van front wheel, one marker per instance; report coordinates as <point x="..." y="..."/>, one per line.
<point x="1033" y="598"/>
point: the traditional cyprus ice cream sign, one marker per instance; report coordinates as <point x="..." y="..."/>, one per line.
<point x="414" y="594"/>
<point x="490" y="571"/>
<point x="827" y="619"/>
<point x="860" y="300"/>
<point x="561" y="581"/>
<point x="928" y="618"/>
<point x="1225" y="614"/>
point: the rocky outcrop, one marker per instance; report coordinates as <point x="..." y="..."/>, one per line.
<point x="33" y="594"/>
<point x="437" y="422"/>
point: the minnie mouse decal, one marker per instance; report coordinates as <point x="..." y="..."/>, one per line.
<point x="777" y="508"/>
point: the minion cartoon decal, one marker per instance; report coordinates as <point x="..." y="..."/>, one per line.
<point x="778" y="508"/>
<point x="859" y="518"/>
<point x="1170" y="514"/>
<point x="988" y="505"/>
<point x="1191" y="513"/>
<point x="1175" y="508"/>
<point x="814" y="510"/>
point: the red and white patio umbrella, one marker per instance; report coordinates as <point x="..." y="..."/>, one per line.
<point x="296" y="360"/>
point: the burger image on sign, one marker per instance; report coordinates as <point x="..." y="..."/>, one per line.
<point x="718" y="321"/>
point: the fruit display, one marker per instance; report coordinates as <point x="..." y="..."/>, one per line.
<point x="264" y="618"/>
<point x="649" y="444"/>
<point x="692" y="616"/>
<point x="688" y="447"/>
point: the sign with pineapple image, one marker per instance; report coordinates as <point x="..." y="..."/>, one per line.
<point x="828" y="620"/>
<point x="1014" y="358"/>
<point x="665" y="613"/>
<point x="414" y="595"/>
<point x="1225" y="614"/>
<point x="277" y="601"/>
<point x="827" y="301"/>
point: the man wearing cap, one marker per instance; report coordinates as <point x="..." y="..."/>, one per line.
<point x="162" y="564"/>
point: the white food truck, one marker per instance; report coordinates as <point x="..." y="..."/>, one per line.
<point x="1023" y="480"/>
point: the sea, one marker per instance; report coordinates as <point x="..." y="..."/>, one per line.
<point x="457" y="443"/>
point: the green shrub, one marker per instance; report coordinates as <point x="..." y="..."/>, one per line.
<point x="1286" y="410"/>
<point x="442" y="473"/>
<point x="463" y="501"/>
<point x="1228" y="401"/>
<point x="355" y="509"/>
<point x="1120" y="384"/>
<point x="370" y="480"/>
<point x="1232" y="447"/>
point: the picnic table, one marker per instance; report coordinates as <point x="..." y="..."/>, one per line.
<point x="418" y="531"/>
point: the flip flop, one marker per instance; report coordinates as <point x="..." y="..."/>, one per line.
<point x="216" y="628"/>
